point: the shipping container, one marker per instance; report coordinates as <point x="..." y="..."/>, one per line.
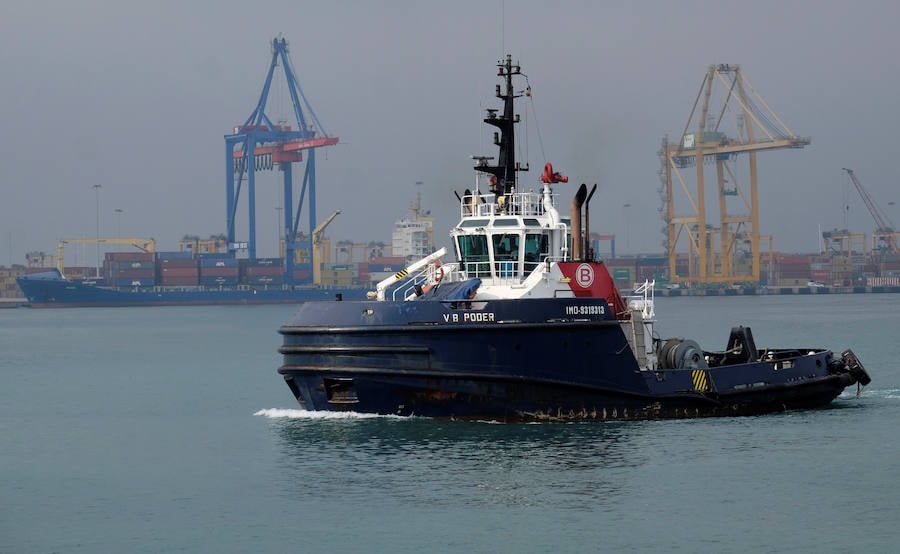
<point x="623" y="275"/>
<point x="842" y="278"/>
<point x="803" y="259"/>
<point x="218" y="281"/>
<point x="337" y="277"/>
<point x="620" y="262"/>
<point x="135" y="282"/>
<point x="362" y="272"/>
<point x="79" y="272"/>
<point x="794" y="272"/>
<point x="657" y="261"/>
<point x="219" y="271"/>
<point x="648" y="273"/>
<point x="270" y="270"/>
<point x="180" y="281"/>
<point x="267" y="261"/>
<point x="133" y="264"/>
<point x="388" y="260"/>
<point x="174" y="255"/>
<point x="268" y="280"/>
<point x="176" y="262"/>
<point x="132" y="274"/>
<point x="386" y="267"/>
<point x="179" y="272"/>
<point x="207" y="261"/>
<point x="130" y="256"/>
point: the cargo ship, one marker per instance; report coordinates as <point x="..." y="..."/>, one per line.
<point x="149" y="278"/>
<point x="527" y="325"/>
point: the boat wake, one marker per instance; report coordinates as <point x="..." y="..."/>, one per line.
<point x="886" y="394"/>
<point x="283" y="413"/>
<point x="891" y="394"/>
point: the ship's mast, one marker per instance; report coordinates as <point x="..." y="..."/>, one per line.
<point x="503" y="180"/>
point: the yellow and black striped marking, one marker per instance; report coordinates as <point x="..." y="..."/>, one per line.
<point x="401" y="274"/>
<point x="701" y="381"/>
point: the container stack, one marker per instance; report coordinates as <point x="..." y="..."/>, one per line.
<point x="653" y="268"/>
<point x="793" y="269"/>
<point x="129" y="269"/>
<point x="218" y="270"/>
<point x="362" y="271"/>
<point x="622" y="271"/>
<point x="338" y="275"/>
<point x="262" y="271"/>
<point x="178" y="269"/>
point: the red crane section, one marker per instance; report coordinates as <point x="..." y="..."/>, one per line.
<point x="290" y="151"/>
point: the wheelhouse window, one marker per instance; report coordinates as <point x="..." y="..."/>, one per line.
<point x="536" y="250"/>
<point x="506" y="253"/>
<point x="473" y="255"/>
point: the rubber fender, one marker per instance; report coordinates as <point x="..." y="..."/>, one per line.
<point x="855" y="367"/>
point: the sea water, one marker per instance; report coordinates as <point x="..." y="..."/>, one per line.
<point x="169" y="430"/>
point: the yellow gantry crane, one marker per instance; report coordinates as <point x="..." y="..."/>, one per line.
<point x="728" y="119"/>
<point x="322" y="248"/>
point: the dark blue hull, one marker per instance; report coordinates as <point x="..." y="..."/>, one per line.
<point x="503" y="399"/>
<point x="49" y="292"/>
<point x="523" y="360"/>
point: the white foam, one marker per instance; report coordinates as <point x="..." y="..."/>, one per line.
<point x="890" y="394"/>
<point x="282" y="413"/>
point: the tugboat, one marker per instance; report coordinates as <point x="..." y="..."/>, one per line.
<point x="525" y="325"/>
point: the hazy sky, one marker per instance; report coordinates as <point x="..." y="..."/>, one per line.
<point x="137" y="96"/>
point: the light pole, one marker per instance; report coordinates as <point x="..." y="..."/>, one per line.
<point x="97" y="190"/>
<point x="627" y="226"/>
<point x="119" y="212"/>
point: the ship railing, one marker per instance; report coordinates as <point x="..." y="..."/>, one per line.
<point x="480" y="269"/>
<point x="504" y="272"/>
<point x="427" y="277"/>
<point x="507" y="272"/>
<point x="407" y="290"/>
<point x="643" y="299"/>
<point x="556" y="259"/>
<point x="518" y="203"/>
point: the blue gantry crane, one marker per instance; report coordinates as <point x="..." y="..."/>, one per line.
<point x="260" y="144"/>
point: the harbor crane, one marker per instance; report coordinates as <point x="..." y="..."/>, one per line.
<point x="320" y="228"/>
<point x="709" y="139"/>
<point x="323" y="255"/>
<point x="885" y="236"/>
<point x="260" y="144"/>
